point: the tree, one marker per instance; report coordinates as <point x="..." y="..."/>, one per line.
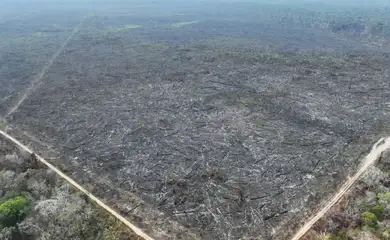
<point x="13" y="211"/>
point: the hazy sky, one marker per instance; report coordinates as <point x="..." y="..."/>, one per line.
<point x="346" y="2"/>
<point x="183" y="4"/>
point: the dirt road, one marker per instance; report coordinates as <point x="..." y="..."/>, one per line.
<point x="376" y="151"/>
<point x="137" y="230"/>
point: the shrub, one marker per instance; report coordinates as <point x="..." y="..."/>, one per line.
<point x="386" y="235"/>
<point x="384" y="196"/>
<point x="384" y="199"/>
<point x="378" y="210"/>
<point x="13" y="211"/>
<point x="324" y="236"/>
<point x="370" y="219"/>
<point x="341" y="235"/>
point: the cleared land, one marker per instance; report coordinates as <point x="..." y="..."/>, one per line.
<point x="202" y="128"/>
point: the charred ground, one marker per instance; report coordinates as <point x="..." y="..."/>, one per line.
<point x="227" y="128"/>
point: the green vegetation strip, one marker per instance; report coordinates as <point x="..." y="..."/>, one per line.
<point x="182" y="24"/>
<point x="124" y="27"/>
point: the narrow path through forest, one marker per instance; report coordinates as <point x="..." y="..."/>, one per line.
<point x="379" y="147"/>
<point x="38" y="79"/>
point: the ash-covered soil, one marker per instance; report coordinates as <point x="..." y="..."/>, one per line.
<point x="226" y="140"/>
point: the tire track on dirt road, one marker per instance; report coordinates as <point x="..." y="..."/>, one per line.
<point x="379" y="147"/>
<point x="137" y="230"/>
<point x="38" y="79"/>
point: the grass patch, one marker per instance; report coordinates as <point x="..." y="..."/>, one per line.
<point x="183" y="24"/>
<point x="37" y="34"/>
<point x="153" y="45"/>
<point x="259" y="124"/>
<point x="126" y="27"/>
<point x="107" y="31"/>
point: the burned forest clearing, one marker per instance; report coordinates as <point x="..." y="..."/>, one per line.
<point x="195" y="124"/>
